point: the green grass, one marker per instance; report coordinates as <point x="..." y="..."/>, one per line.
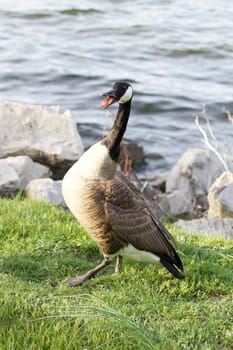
<point x="143" y="308"/>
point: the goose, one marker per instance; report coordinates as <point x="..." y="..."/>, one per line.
<point x="110" y="208"/>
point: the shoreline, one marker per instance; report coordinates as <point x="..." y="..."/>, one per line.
<point x="38" y="144"/>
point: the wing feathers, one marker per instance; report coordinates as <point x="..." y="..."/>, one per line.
<point x="132" y="221"/>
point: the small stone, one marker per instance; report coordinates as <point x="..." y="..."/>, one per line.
<point x="48" y="190"/>
<point x="9" y="180"/>
<point x="220" y="196"/>
<point x="226" y="199"/>
<point x="26" y="169"/>
<point x="176" y="205"/>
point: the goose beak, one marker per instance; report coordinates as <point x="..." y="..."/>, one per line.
<point x="110" y="99"/>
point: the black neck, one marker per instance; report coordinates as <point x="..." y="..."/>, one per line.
<point x="113" y="139"/>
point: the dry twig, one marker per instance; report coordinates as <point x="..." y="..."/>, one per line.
<point x="206" y="141"/>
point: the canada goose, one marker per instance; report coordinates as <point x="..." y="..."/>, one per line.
<point x="112" y="210"/>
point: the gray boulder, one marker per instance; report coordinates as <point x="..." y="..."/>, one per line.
<point x="48" y="190"/>
<point x="16" y="172"/>
<point x="9" y="180"/>
<point x="212" y="226"/>
<point x="188" y="183"/>
<point x="220" y="196"/>
<point x="26" y="169"/>
<point x="176" y="204"/>
<point x="48" y="135"/>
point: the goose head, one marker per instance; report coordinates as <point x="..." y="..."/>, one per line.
<point x="121" y="92"/>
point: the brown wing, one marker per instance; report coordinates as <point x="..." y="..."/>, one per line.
<point x="132" y="221"/>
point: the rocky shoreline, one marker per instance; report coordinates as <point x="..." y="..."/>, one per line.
<point x="38" y="145"/>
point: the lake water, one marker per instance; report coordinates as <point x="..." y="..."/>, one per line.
<point x="177" y="54"/>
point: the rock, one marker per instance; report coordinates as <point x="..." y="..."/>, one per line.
<point x="212" y="226"/>
<point x="226" y="200"/>
<point x="131" y="155"/>
<point x="159" y="213"/>
<point x="189" y="181"/>
<point x="48" y="190"/>
<point x="159" y="182"/>
<point x="48" y="135"/>
<point x="136" y="152"/>
<point x="149" y="191"/>
<point x="26" y="169"/>
<point x="9" y="180"/>
<point x="176" y="204"/>
<point x="220" y="196"/>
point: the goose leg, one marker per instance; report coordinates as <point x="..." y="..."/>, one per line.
<point x="76" y="281"/>
<point x="118" y="267"/>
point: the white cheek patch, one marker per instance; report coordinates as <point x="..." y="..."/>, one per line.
<point x="127" y="95"/>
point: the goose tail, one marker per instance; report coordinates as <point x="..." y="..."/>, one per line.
<point x="173" y="265"/>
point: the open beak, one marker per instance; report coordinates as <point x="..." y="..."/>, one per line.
<point x="109" y="100"/>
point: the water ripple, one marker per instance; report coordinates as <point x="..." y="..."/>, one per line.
<point x="177" y="55"/>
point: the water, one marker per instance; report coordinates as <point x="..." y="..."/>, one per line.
<point x="177" y="54"/>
